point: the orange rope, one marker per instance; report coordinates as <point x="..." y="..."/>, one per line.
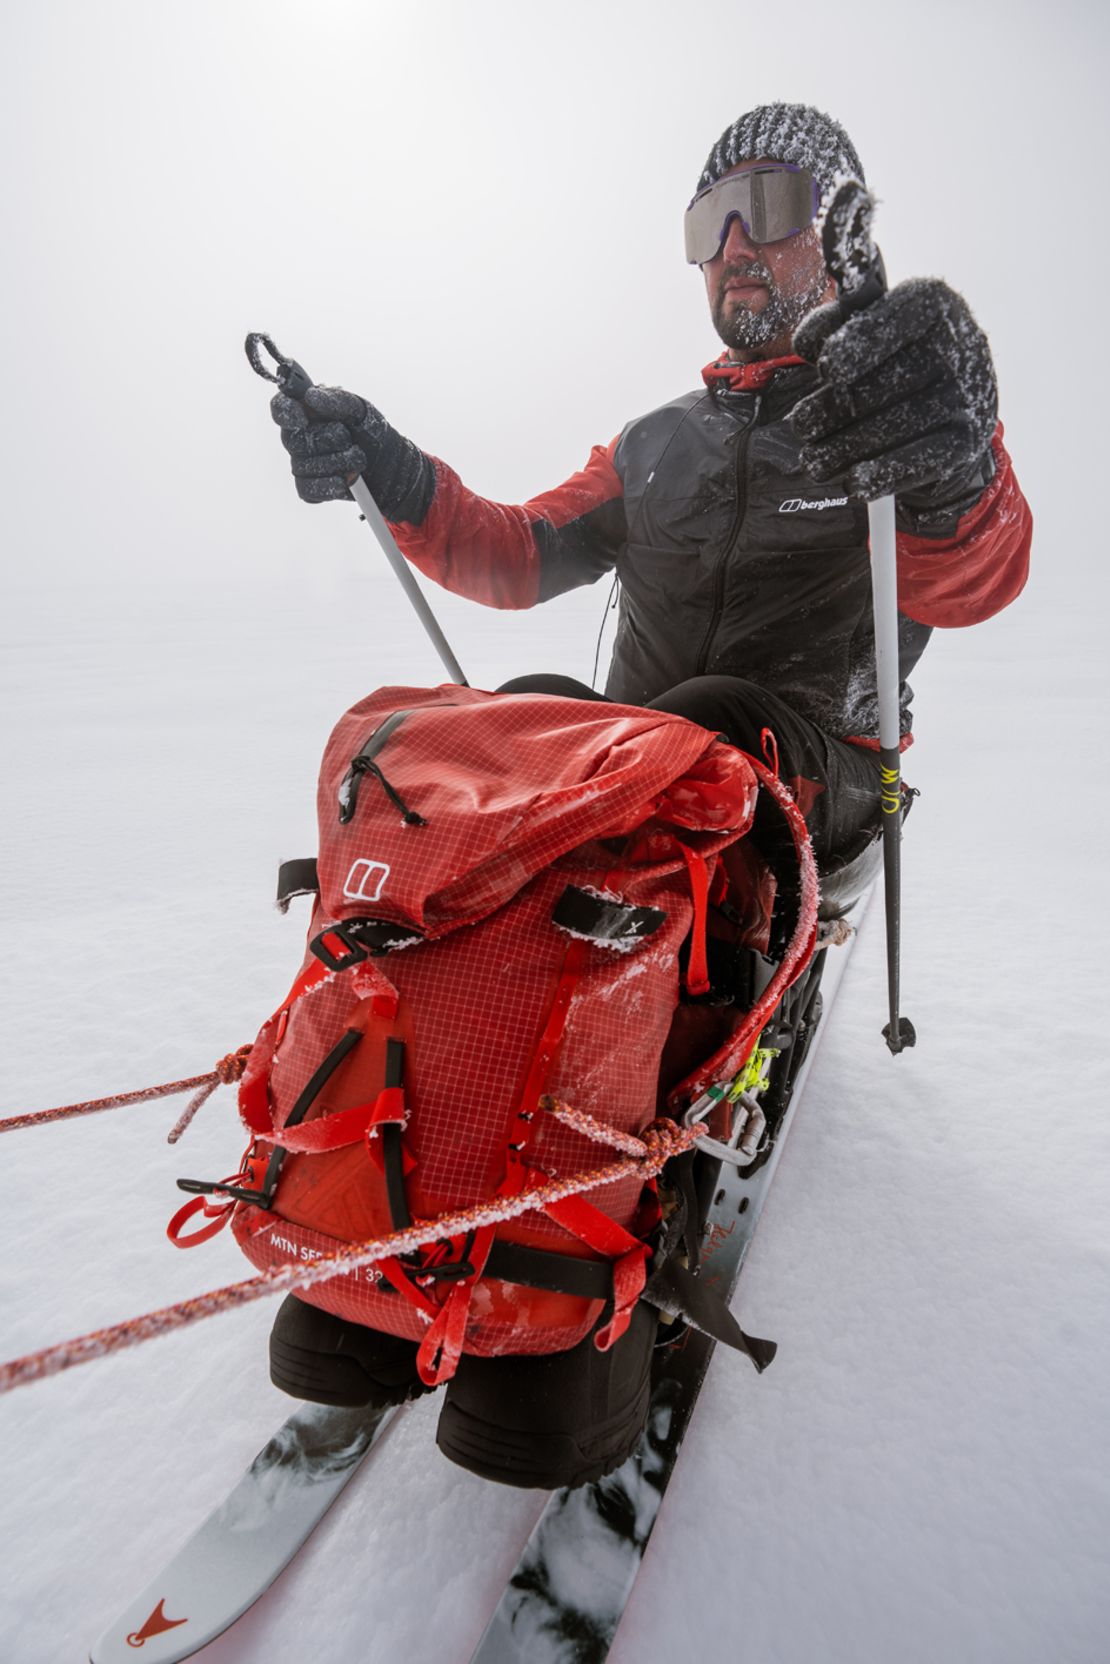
<point x="658" y="1143"/>
<point x="227" y="1070"/>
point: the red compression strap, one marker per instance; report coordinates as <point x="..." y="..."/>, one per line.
<point x="441" y="1348"/>
<point x="329" y="1132"/>
<point x="254" y="1089"/>
<point x="344" y="1126"/>
<point x="543" y="1057"/>
<point x="697" y="970"/>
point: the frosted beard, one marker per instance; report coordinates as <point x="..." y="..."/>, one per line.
<point x="752" y="331"/>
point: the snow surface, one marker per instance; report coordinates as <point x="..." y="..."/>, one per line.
<point x="923" y="1474"/>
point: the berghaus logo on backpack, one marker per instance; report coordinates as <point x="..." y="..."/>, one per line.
<point x="366" y="880"/>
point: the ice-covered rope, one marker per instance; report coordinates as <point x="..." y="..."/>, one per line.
<point x="590" y="1127"/>
<point x="647" y="1155"/>
<point x="227" y="1070"/>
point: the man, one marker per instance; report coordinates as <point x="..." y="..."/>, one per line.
<point x="735" y="517"/>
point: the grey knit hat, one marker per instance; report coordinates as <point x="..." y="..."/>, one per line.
<point x="786" y="133"/>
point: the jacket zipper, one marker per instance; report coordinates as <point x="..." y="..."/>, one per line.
<point x="731" y="542"/>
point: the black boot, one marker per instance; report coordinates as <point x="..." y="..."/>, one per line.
<point x="328" y="1360"/>
<point x="562" y="1419"/>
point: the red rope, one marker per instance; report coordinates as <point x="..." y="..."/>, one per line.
<point x="228" y="1069"/>
<point x="658" y="1143"/>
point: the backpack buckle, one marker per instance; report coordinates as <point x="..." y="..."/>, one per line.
<point x="453" y="1271"/>
<point x="432" y="1264"/>
<point x="362" y="939"/>
<point x="345" y="934"/>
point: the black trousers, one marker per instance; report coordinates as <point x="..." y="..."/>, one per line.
<point x="836" y="785"/>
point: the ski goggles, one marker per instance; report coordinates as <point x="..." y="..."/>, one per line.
<point x="770" y="202"/>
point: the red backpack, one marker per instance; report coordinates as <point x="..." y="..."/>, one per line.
<point x="504" y="884"/>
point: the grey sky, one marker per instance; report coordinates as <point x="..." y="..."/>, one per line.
<point x="470" y="213"/>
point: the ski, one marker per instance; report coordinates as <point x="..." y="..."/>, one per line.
<point x="243" y="1545"/>
<point x="576" y="1573"/>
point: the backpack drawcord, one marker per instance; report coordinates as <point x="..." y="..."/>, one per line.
<point x="363" y="765"/>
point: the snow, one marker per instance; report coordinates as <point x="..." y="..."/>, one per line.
<point x="922" y="1473"/>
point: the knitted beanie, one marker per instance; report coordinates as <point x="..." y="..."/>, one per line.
<point x="786" y="133"/>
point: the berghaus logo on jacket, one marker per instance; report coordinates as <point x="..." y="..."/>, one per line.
<point x="793" y="505"/>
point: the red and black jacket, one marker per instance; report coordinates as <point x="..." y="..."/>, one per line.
<point x="731" y="560"/>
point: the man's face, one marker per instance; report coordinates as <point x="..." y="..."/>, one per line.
<point x="760" y="292"/>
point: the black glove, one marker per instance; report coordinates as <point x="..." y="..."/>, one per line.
<point x="908" y="402"/>
<point x="332" y="436"/>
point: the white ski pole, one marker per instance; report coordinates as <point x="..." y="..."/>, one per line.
<point x="293" y="380"/>
<point x="899" y="1031"/>
<point x="857" y="268"/>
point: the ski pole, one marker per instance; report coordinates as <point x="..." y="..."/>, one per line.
<point x="899" y="1031"/>
<point x="294" y="381"/>
<point x="857" y="268"/>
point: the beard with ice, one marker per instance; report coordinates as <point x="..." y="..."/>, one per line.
<point x="750" y="331"/>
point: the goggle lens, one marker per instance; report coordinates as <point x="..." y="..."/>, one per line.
<point x="771" y="203"/>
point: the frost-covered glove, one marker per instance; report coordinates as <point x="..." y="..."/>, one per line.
<point x="908" y="400"/>
<point x="333" y="436"/>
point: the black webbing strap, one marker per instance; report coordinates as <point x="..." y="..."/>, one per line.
<point x="670" y="1287"/>
<point x="509" y="1262"/>
<point x="390" y="1134"/>
<point x="315" y="1084"/>
<point x="296" y="878"/>
<point x="584" y="914"/>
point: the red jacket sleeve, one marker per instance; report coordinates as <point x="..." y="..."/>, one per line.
<point x="973" y="574"/>
<point x="513" y="555"/>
